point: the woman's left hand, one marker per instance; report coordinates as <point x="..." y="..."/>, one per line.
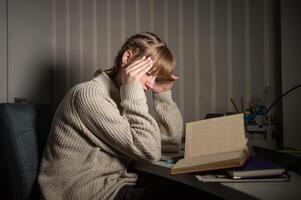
<point x="164" y="84"/>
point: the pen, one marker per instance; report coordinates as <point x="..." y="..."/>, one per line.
<point x="234" y="105"/>
<point x="242" y="104"/>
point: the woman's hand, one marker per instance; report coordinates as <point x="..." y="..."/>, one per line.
<point x="135" y="71"/>
<point x="163" y="85"/>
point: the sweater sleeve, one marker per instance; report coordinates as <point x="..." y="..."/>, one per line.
<point x="170" y="121"/>
<point x="132" y="131"/>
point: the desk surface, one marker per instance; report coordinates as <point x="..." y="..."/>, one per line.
<point x="259" y="190"/>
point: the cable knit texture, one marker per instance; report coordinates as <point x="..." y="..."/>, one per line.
<point x="96" y="131"/>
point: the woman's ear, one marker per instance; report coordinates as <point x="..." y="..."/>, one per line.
<point x="126" y="57"/>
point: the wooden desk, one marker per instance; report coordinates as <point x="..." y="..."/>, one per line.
<point x="259" y="190"/>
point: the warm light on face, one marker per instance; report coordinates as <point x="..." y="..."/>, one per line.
<point x="151" y="79"/>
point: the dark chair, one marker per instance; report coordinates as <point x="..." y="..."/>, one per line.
<point x="23" y="133"/>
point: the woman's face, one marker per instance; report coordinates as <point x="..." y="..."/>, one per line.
<point x="153" y="82"/>
<point x="148" y="81"/>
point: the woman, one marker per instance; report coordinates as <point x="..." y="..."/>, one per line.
<point x="104" y="123"/>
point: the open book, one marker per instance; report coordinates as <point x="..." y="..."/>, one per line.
<point x="212" y="144"/>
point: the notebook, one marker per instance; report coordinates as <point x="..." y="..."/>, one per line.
<point x="256" y="167"/>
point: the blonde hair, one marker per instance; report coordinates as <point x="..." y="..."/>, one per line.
<point x="149" y="45"/>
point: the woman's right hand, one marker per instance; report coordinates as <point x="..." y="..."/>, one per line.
<point x="135" y="71"/>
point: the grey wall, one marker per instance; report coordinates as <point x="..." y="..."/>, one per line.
<point x="224" y="48"/>
<point x="291" y="71"/>
<point x="3" y="51"/>
<point x="26" y="51"/>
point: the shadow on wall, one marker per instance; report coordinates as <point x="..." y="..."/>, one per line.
<point x="50" y="83"/>
<point x="41" y="90"/>
<point x="63" y="78"/>
<point x="59" y="85"/>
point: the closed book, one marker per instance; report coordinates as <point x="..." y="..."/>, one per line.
<point x="221" y="178"/>
<point x="213" y="144"/>
<point x="256" y="167"/>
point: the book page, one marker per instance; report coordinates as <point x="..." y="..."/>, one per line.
<point x="215" y="135"/>
<point x="210" y="162"/>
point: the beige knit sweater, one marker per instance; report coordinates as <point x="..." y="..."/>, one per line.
<point x="96" y="131"/>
